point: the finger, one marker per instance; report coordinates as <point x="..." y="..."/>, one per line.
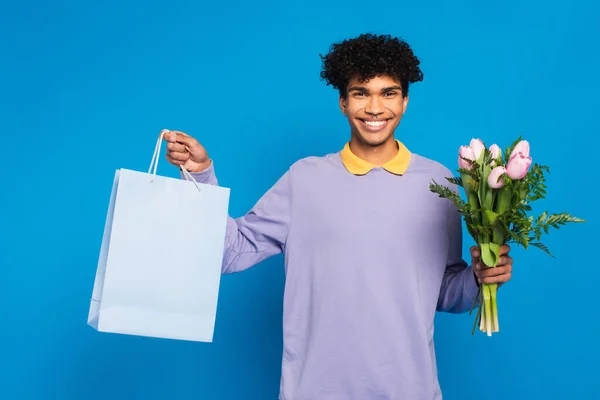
<point x="184" y="138"/>
<point x="490" y="272"/>
<point x="176" y="148"/>
<point x="175" y="136"/>
<point x="483" y="270"/>
<point x="475" y="255"/>
<point x="479" y="266"/>
<point x="497" y="279"/>
<point x="180" y="133"/>
<point x="504" y="260"/>
<point x="179" y="156"/>
<point x="174" y="161"/>
<point x="188" y="142"/>
<point x="480" y="270"/>
<point x="504" y="249"/>
<point x="169" y="136"/>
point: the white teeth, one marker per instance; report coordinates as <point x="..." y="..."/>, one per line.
<point x="374" y="123"/>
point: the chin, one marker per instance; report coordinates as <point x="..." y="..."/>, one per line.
<point x="374" y="139"/>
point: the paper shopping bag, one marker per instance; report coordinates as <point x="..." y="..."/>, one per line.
<point x="160" y="260"/>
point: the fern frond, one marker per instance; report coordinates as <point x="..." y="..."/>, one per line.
<point x="457" y="180"/>
<point x="542" y="247"/>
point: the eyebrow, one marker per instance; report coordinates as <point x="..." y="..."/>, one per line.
<point x="364" y="89"/>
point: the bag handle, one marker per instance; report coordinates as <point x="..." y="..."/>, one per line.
<point x="156" y="155"/>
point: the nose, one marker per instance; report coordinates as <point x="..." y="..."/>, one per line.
<point x="374" y="106"/>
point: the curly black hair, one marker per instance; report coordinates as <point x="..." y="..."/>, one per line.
<point x="368" y="56"/>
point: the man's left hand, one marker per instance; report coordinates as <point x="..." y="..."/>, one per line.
<point x="499" y="274"/>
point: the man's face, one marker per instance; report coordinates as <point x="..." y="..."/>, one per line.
<point x="374" y="109"/>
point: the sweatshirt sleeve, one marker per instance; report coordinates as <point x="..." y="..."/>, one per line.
<point x="459" y="287"/>
<point x="259" y="234"/>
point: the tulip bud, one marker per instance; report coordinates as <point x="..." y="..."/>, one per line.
<point x="495" y="150"/>
<point x="465" y="152"/>
<point x="518" y="166"/>
<point x="477" y="146"/>
<point x="521" y="147"/>
<point x="495" y="174"/>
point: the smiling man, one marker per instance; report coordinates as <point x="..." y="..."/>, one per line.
<point x="370" y="253"/>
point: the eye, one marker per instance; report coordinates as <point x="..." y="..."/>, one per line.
<point x="390" y="94"/>
<point x="360" y="94"/>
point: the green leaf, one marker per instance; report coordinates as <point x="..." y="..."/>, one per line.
<point x="503" y="200"/>
<point x="511" y="148"/>
<point x="498" y="235"/>
<point x="455" y="181"/>
<point x="485" y="192"/>
<point x="490" y="253"/>
<point x="542" y="247"/>
<point x="495" y="249"/>
<point x="445" y="192"/>
<point x="545" y="221"/>
<point x="489" y="217"/>
<point x="541" y="218"/>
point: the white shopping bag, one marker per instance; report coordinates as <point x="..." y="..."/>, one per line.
<point x="160" y="261"/>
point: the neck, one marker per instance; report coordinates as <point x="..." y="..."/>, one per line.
<point x="376" y="155"/>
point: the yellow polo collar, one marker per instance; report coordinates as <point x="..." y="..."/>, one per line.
<point x="357" y="166"/>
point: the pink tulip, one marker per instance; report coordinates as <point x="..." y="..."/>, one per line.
<point x="521" y="147"/>
<point x="466" y="152"/>
<point x="496" y="153"/>
<point x="495" y="150"/>
<point x="518" y="166"/>
<point x="493" y="177"/>
<point x="477" y="146"/>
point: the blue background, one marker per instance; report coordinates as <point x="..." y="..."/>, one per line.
<point x="87" y="86"/>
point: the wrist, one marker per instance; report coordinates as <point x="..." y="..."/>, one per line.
<point x="201" y="166"/>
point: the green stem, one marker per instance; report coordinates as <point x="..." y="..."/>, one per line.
<point x="482" y="315"/>
<point x="498" y="234"/>
<point x="493" y="289"/>
<point x="503" y="200"/>
<point x="479" y="308"/>
<point x="488" y="309"/>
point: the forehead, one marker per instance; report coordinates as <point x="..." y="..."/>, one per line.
<point x="376" y="83"/>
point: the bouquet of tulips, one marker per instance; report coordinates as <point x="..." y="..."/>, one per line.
<point x="499" y="191"/>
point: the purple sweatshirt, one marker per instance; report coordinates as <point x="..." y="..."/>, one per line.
<point x="368" y="259"/>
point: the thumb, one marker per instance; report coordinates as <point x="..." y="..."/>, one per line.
<point x="181" y="137"/>
<point x="475" y="254"/>
<point x="170" y="136"/>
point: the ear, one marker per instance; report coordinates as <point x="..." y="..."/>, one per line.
<point x="404" y="104"/>
<point x="343" y="105"/>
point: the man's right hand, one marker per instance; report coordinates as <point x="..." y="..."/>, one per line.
<point x="182" y="149"/>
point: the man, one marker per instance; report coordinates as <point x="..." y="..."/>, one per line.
<point x="370" y="253"/>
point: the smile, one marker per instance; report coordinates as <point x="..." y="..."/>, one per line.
<point x="374" y="126"/>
